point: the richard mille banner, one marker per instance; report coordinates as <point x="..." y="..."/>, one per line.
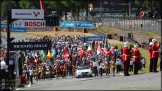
<point x="31" y="46"/>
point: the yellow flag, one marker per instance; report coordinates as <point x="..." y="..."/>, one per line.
<point x="49" y="55"/>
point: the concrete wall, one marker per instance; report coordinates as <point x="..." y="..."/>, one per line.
<point x="137" y="36"/>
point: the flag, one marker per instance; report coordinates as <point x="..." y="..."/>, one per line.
<point x="42" y="55"/>
<point x="80" y="53"/>
<point x="99" y="50"/>
<point x="54" y="53"/>
<point x="49" y="55"/>
<point x="65" y="51"/>
<point x="89" y="51"/>
<point x="42" y="7"/>
<point x="105" y="51"/>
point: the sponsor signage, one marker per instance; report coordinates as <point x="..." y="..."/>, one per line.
<point x="67" y="24"/>
<point x="30" y="24"/>
<point x="84" y="24"/>
<point x="27" y="14"/>
<point x="77" y="24"/>
<point x="3" y="25"/>
<point x="30" y="46"/>
<point x="91" y="38"/>
<point x="18" y="29"/>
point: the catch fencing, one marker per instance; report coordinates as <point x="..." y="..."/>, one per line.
<point x="151" y="25"/>
<point x="131" y="24"/>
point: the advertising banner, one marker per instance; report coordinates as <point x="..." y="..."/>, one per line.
<point x="18" y="29"/>
<point x="30" y="24"/>
<point x="30" y="46"/>
<point x="91" y="38"/>
<point x="27" y="14"/>
<point x="3" y="25"/>
<point x="84" y="24"/>
<point x="67" y="24"/>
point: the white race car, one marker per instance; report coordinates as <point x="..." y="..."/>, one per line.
<point x="83" y="71"/>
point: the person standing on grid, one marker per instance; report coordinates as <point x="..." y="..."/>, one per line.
<point x="131" y="65"/>
<point x="118" y="65"/>
<point x="31" y="75"/>
<point x="143" y="62"/>
<point x="3" y="69"/>
<point x="11" y="65"/>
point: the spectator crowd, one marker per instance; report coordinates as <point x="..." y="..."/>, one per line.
<point x="69" y="52"/>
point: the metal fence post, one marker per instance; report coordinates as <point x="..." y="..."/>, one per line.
<point x="17" y="71"/>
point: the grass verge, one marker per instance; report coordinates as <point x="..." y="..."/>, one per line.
<point x="145" y="54"/>
<point x="108" y="30"/>
<point x="153" y="35"/>
<point x="114" y="31"/>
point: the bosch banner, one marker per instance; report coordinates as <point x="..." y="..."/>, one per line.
<point x="67" y="24"/>
<point x="91" y="38"/>
<point x="29" y="24"/>
<point x="84" y="24"/>
<point x="18" y="29"/>
<point x="27" y="14"/>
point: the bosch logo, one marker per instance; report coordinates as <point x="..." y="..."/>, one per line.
<point x="36" y="13"/>
<point x="34" y="24"/>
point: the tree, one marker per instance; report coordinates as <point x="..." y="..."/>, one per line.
<point x="150" y="5"/>
<point x="54" y="5"/>
<point x="7" y="6"/>
<point x="29" y="4"/>
<point x="71" y="5"/>
<point x="83" y="4"/>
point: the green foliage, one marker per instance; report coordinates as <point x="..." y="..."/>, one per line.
<point x="29" y="4"/>
<point x="150" y="5"/>
<point x="53" y="4"/>
<point x="7" y="6"/>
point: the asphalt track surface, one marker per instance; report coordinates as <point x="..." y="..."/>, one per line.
<point x="148" y="81"/>
<point x="20" y="36"/>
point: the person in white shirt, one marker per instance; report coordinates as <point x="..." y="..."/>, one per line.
<point x="31" y="75"/>
<point x="131" y="65"/>
<point x="100" y="66"/>
<point x="3" y="69"/>
<point x="118" y="65"/>
<point x="143" y="62"/>
<point x="95" y="65"/>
